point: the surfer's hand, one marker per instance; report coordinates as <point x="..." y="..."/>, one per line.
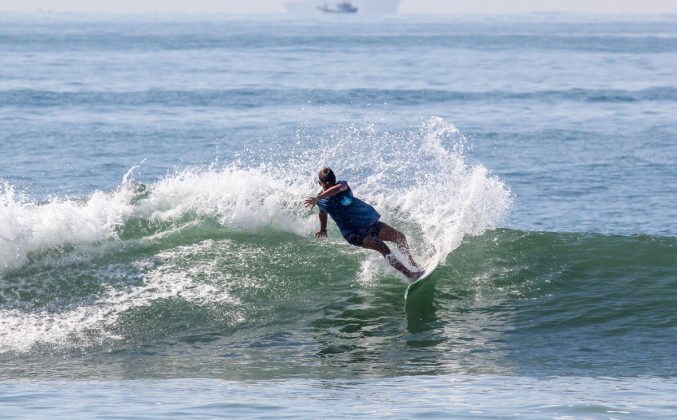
<point x="320" y="233"/>
<point x="310" y="202"/>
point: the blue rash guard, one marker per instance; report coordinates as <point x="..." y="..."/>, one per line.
<point x="354" y="218"/>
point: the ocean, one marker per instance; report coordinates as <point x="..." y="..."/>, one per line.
<point x="156" y="259"/>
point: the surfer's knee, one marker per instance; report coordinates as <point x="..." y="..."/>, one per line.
<point x="396" y="236"/>
<point x="401" y="240"/>
<point x="376" y="244"/>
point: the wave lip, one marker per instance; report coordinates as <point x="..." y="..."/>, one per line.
<point x="26" y="226"/>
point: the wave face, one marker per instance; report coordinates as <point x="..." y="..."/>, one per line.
<point x="570" y="303"/>
<point x="74" y="269"/>
<point x="221" y="262"/>
<point x="272" y="304"/>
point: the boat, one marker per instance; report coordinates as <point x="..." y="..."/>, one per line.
<point x="366" y="7"/>
<point x="343" y="7"/>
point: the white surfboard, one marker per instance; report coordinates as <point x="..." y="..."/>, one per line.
<point x="430" y="268"/>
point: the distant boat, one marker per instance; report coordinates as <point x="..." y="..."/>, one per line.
<point x="366" y="7"/>
<point x="343" y="7"/>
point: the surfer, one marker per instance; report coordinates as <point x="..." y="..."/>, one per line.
<point x="359" y="222"/>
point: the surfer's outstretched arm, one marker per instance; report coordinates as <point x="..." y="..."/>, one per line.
<point x="333" y="190"/>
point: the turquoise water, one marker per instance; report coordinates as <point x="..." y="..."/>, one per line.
<point x="156" y="258"/>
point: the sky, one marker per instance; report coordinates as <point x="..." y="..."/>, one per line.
<point x="406" y="6"/>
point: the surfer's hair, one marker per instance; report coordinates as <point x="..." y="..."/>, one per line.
<point x="327" y="176"/>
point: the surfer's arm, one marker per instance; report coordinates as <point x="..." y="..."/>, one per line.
<point x="323" y="224"/>
<point x="311" y="201"/>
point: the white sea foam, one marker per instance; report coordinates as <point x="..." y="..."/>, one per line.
<point x="241" y="198"/>
<point x="89" y="320"/>
<point x="26" y="226"/>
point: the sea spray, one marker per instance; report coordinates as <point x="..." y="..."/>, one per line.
<point x="451" y="197"/>
<point x="420" y="181"/>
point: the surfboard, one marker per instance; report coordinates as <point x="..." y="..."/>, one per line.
<point x="413" y="287"/>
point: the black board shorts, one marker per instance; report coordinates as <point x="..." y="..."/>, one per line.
<point x="356" y="236"/>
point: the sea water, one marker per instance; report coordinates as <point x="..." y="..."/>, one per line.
<point x="156" y="258"/>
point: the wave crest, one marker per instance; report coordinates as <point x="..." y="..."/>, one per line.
<point x="419" y="180"/>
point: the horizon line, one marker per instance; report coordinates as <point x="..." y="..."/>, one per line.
<point x="284" y="13"/>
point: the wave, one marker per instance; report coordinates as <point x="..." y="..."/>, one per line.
<point x="215" y="252"/>
<point x="80" y="264"/>
<point x="563" y="303"/>
<point x="203" y="281"/>
<point x="277" y="97"/>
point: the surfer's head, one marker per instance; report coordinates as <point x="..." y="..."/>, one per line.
<point x="327" y="177"/>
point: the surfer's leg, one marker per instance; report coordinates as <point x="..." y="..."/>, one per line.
<point x="372" y="242"/>
<point x="389" y="233"/>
